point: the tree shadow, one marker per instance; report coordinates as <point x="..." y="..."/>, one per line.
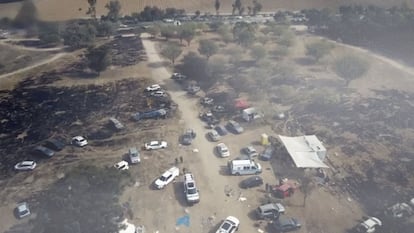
<point x="158" y="64"/>
<point x="304" y="61"/>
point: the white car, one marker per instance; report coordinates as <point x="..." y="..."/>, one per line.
<point x="153" y="145"/>
<point x="154" y="87"/>
<point x="190" y="189"/>
<point x="123" y="165"/>
<point x="158" y="94"/>
<point x="214" y="136"/>
<point x="25" y="165"/>
<point x="79" y="141"/>
<point x="167" y="177"/>
<point x="22" y="210"/>
<point x="223" y="150"/>
<point x="229" y="225"/>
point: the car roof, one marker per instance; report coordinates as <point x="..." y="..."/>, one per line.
<point x="22" y="206"/>
<point x="78" y="138"/>
<point x="233" y="219"/>
<point x="269" y="206"/>
<point x="27" y="162"/>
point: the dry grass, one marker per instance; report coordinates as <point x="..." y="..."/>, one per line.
<point x="64" y="9"/>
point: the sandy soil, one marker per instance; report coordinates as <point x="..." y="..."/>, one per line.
<point x="63" y="9"/>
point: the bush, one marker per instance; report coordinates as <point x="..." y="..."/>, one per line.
<point x="79" y="36"/>
<point x="318" y="49"/>
<point x="49" y="34"/>
<point x="350" y="68"/>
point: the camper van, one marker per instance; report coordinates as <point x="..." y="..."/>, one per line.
<point x="244" y="167"/>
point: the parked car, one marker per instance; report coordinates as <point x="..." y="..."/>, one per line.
<point x="123" y="165"/>
<point x="154" y="145"/>
<point x="218" y="109"/>
<point x="251" y="182"/>
<point x="213" y="135"/>
<point x="25" y="165"/>
<point x="187" y="137"/>
<point x="167" y="177"/>
<point x="285" y="224"/>
<point x="270" y="210"/>
<point x="134" y="155"/>
<point x="193" y="89"/>
<point x="178" y="76"/>
<point x="369" y="225"/>
<point x="223" y="150"/>
<point x="209" y="118"/>
<point x="267" y="154"/>
<point x="190" y="189"/>
<point x="41" y="150"/>
<point x="250" y="151"/>
<point x="56" y="144"/>
<point x="79" y="141"/>
<point x="206" y="101"/>
<point x="22" y="210"/>
<point x="229" y="225"/>
<point x="154" y="87"/>
<point x="158" y="94"/>
<point x="235" y="127"/>
<point x="221" y="130"/>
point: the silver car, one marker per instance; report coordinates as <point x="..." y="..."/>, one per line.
<point x="25" y="165"/>
<point x="213" y="135"/>
<point x="22" y="210"/>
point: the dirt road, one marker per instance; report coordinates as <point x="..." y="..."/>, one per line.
<point x="207" y="169"/>
<point x="40" y="63"/>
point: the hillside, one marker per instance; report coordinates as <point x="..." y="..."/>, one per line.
<point x="63" y="9"/>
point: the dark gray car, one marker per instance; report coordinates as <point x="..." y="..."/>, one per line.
<point x="251" y="182"/>
<point x="235" y="127"/>
<point x="267" y="154"/>
<point x="41" y="150"/>
<point x="285" y="224"/>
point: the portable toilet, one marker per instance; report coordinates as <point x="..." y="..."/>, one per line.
<point x="265" y="139"/>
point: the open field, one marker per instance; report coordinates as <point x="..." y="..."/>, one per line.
<point x="63" y="9"/>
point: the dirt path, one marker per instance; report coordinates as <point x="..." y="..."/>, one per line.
<point x="214" y="205"/>
<point x="40" y="63"/>
<point x="20" y="47"/>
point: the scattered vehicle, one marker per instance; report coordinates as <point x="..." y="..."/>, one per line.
<point x="399" y="210"/>
<point x="250" y="151"/>
<point x="158" y="94"/>
<point x="213" y="135"/>
<point x="206" y="101"/>
<point x="134" y="155"/>
<point x="270" y="210"/>
<point x="190" y="189"/>
<point x="244" y="167"/>
<point x="369" y="225"/>
<point x="218" y="109"/>
<point x="223" y="150"/>
<point x="79" y="141"/>
<point x="251" y="182"/>
<point x="154" y="145"/>
<point x="221" y="130"/>
<point x="267" y="154"/>
<point x="22" y="210"/>
<point x="154" y="87"/>
<point x="178" y="77"/>
<point x="235" y="127"/>
<point x="286" y="189"/>
<point x="116" y="123"/>
<point x="187" y="137"/>
<point x="25" y="165"/>
<point x="123" y="165"/>
<point x="167" y="177"/>
<point x="193" y="89"/>
<point x="153" y="114"/>
<point x="285" y="224"/>
<point x="56" y="144"/>
<point x="209" y="118"/>
<point x="229" y="225"/>
<point x="41" y="150"/>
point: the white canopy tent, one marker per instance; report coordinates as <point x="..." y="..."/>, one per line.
<point x="306" y="151"/>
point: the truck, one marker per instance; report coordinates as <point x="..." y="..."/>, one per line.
<point x="152" y="114"/>
<point x="244" y="167"/>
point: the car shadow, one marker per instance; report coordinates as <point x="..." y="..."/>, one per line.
<point x="215" y="227"/>
<point x="224" y="171"/>
<point x="179" y="193"/>
<point x="253" y="215"/>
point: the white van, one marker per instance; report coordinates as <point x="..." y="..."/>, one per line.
<point x="190" y="189"/>
<point x="244" y="167"/>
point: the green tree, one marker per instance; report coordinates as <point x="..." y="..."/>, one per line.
<point x="350" y="68"/>
<point x="105" y="28"/>
<point x="194" y="66"/>
<point x="187" y="33"/>
<point x="286" y="39"/>
<point x="318" y="49"/>
<point x="216" y="68"/>
<point x="79" y="36"/>
<point x="244" y="33"/>
<point x="257" y="7"/>
<point x="154" y="30"/>
<point x="171" y="51"/>
<point x="92" y="9"/>
<point x="280" y="51"/>
<point x="258" y="52"/>
<point x="98" y="58"/>
<point x="207" y="48"/>
<point x="114" y="10"/>
<point x="167" y="32"/>
<point x="49" y="34"/>
<point x="27" y="15"/>
<point x="237" y="5"/>
<point x="217" y="6"/>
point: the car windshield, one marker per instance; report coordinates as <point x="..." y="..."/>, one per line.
<point x="226" y="225"/>
<point x="192" y="191"/>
